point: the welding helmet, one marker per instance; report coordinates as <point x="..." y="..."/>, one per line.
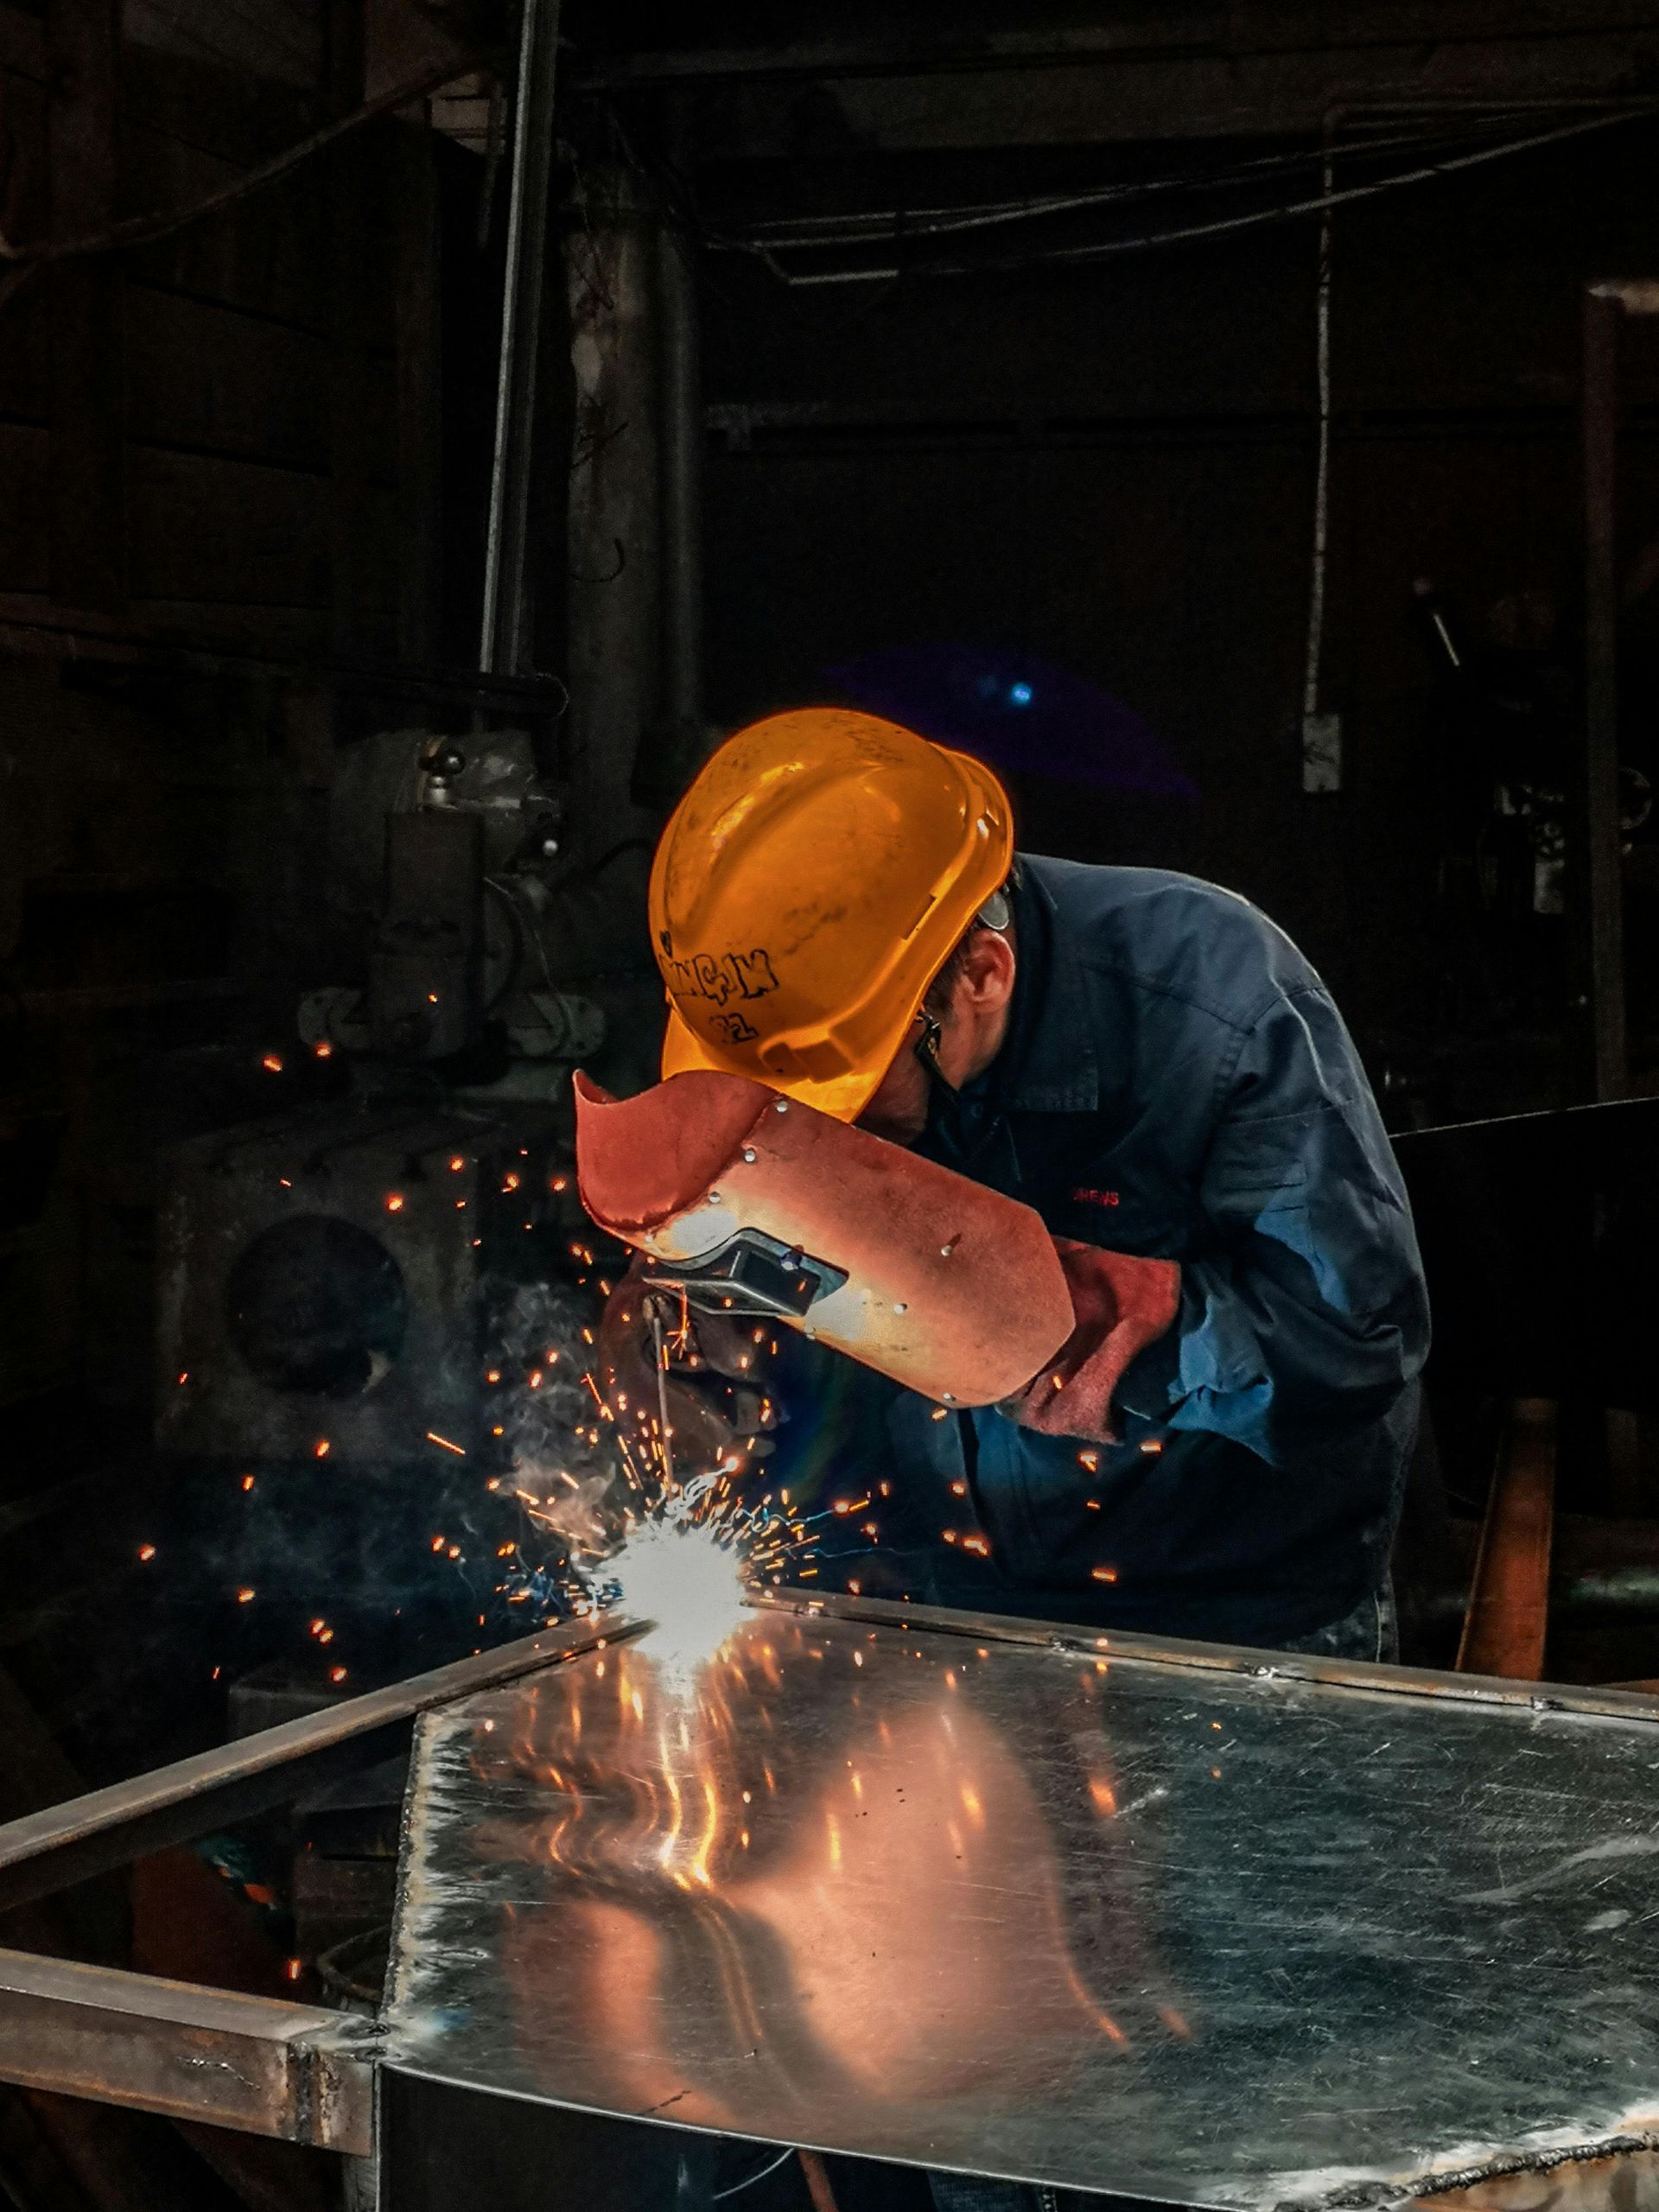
<point x="808" y="888"/>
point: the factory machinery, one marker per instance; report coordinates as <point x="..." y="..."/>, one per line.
<point x="325" y="1274"/>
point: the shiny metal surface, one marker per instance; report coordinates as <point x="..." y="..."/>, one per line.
<point x="1186" y="1924"/>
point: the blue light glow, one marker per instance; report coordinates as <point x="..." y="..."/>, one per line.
<point x="1019" y="694"/>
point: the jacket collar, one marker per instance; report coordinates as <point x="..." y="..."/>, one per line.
<point x="1048" y="1064"/>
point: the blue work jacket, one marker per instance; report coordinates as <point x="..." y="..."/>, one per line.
<point x="1175" y="1081"/>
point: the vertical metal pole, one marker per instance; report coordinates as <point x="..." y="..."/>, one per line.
<point x="503" y="640"/>
<point x="1601" y="922"/>
<point x="1506" y="1624"/>
<point x="419" y="337"/>
<point x="615" y="512"/>
<point x="1321" y="755"/>
<point x="660" y="1346"/>
<point x="682" y="468"/>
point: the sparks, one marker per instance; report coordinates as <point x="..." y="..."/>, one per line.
<point x="681" y="1576"/>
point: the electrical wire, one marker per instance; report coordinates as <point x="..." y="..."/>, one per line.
<point x="851" y="227"/>
<point x="1217" y="226"/>
<point x="1322" y="480"/>
<point x="749" y="2180"/>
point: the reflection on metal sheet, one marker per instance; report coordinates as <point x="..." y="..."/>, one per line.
<point x="1214" y="1937"/>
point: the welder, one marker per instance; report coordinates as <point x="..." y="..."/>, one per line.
<point x="1149" y="1062"/>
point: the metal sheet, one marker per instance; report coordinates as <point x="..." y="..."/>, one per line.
<point x="1147" y="1920"/>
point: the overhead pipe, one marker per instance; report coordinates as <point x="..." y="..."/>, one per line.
<point x="504" y="641"/>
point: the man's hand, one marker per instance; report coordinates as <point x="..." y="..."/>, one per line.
<point x="1122" y="1304"/>
<point x="718" y="1410"/>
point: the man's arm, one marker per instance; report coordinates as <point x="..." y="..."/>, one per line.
<point x="1310" y="1313"/>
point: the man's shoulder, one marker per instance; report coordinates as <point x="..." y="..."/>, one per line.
<point x="1172" y="937"/>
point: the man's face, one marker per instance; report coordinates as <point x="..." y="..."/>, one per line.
<point x="897" y="1110"/>
<point x="972" y="1026"/>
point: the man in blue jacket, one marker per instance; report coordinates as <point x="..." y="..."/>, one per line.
<point x="1149" y="1062"/>
<point x="1166" y="1076"/>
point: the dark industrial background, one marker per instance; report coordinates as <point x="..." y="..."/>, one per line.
<point x="778" y="419"/>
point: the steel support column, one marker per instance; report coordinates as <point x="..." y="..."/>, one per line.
<point x="615" y="502"/>
<point x="681" y="472"/>
<point x="504" y="645"/>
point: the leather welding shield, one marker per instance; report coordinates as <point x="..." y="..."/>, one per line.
<point x="750" y="1202"/>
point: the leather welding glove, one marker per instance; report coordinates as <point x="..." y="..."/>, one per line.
<point x="718" y="1406"/>
<point x="1122" y="1304"/>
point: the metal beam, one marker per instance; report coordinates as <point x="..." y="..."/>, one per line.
<point x="254" y="2063"/>
<point x="614" y="516"/>
<point x="107" y="1828"/>
<point x="1209" y="31"/>
<point x="1505" y="1627"/>
<point x="682" y="482"/>
<point x="1618" y="1702"/>
<point x="1040" y="89"/>
<point x="505" y="643"/>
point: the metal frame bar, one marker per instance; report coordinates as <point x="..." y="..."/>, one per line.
<point x="253" y="2064"/>
<point x="504" y="642"/>
<point x="45" y="1852"/>
<point x="1594" y="1701"/>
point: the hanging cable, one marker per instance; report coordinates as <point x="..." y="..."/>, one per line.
<point x="749" y="2180"/>
<point x="1322" y="476"/>
<point x="852" y="227"/>
<point x="1218" y="227"/>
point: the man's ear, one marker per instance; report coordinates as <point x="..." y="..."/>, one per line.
<point x="987" y="984"/>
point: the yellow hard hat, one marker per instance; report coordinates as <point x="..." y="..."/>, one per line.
<point x="807" y="890"/>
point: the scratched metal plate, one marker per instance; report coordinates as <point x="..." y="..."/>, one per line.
<point x="1220" y="1938"/>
